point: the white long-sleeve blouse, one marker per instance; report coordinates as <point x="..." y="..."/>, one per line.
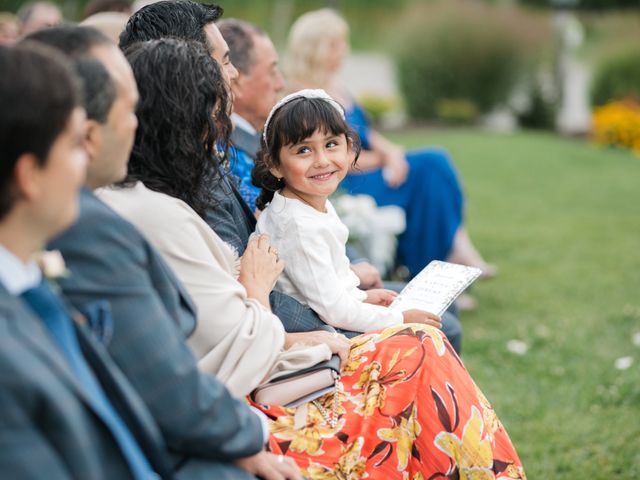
<point x="317" y="272"/>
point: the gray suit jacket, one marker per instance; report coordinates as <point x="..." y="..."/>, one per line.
<point x="152" y="314"/>
<point x="247" y="141"/>
<point x="48" y="428"/>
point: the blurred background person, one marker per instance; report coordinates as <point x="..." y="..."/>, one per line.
<point x="38" y="15"/>
<point x="100" y="6"/>
<point x="9" y="28"/>
<point x="110" y="24"/>
<point x="423" y="182"/>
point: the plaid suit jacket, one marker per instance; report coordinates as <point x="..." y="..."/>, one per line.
<point x="48" y="428"/>
<point x="109" y="259"/>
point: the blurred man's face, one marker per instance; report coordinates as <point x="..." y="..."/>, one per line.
<point x="55" y="200"/>
<point x="220" y="53"/>
<point x="256" y="92"/>
<point x="115" y="137"/>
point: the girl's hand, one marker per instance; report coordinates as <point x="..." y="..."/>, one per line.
<point x="260" y="267"/>
<point x="339" y="344"/>
<point x="395" y="167"/>
<point x="368" y="274"/>
<point x="420" y="316"/>
<point x="380" y="296"/>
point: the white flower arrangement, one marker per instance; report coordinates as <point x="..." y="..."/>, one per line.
<point x="372" y="229"/>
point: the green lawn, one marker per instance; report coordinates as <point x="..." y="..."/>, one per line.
<point x="561" y="218"/>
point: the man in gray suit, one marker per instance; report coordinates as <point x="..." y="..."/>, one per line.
<point x="66" y="411"/>
<point x="115" y="270"/>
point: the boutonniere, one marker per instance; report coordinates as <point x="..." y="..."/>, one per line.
<point x="52" y="265"/>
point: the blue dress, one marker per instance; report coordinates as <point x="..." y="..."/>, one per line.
<point x="431" y="197"/>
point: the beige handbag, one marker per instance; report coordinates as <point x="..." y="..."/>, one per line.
<point x="291" y="387"/>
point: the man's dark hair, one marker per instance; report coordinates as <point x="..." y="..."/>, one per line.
<point x="99" y="6"/>
<point x="239" y="36"/>
<point x="181" y="19"/>
<point x="37" y="100"/>
<point x="182" y="116"/>
<point x="98" y="89"/>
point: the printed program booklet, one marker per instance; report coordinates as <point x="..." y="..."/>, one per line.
<point x="435" y="287"/>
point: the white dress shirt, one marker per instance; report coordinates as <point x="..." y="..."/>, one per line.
<point x="242" y="123"/>
<point x="317" y="271"/>
<point x="16" y="276"/>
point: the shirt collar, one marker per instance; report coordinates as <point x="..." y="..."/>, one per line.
<point x="243" y="123"/>
<point x="16" y="276"/>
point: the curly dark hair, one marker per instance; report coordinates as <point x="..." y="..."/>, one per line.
<point x="291" y="124"/>
<point x="183" y="114"/>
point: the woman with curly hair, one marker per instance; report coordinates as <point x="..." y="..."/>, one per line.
<point x="405" y="406"/>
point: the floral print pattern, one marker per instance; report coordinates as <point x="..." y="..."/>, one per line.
<point x="407" y="410"/>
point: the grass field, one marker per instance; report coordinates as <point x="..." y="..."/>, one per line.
<point x="561" y="218"/>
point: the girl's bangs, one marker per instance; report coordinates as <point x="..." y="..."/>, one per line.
<point x="300" y="118"/>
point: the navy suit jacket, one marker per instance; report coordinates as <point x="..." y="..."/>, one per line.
<point x="110" y="260"/>
<point x="48" y="428"/>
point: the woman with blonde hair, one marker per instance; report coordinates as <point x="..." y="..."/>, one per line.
<point x="423" y="182"/>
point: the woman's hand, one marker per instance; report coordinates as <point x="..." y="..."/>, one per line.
<point x="260" y="267"/>
<point x="268" y="466"/>
<point x="395" y="166"/>
<point x="339" y="344"/>
<point x="380" y="296"/>
<point x="420" y="316"/>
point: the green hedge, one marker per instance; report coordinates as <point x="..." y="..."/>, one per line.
<point x="617" y="78"/>
<point x="586" y="4"/>
<point x="458" y="53"/>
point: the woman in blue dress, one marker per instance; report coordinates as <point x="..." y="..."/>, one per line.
<point x="423" y="182"/>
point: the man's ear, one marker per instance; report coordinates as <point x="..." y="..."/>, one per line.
<point x="27" y="172"/>
<point x="93" y="139"/>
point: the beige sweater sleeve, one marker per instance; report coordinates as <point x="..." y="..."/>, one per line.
<point x="236" y="338"/>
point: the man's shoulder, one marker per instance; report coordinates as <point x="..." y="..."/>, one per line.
<point x="97" y="222"/>
<point x="101" y="243"/>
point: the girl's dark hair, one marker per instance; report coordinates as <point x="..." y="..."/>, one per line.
<point x="182" y="114"/>
<point x="291" y="124"/>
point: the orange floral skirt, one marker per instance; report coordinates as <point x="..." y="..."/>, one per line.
<point x="406" y="409"/>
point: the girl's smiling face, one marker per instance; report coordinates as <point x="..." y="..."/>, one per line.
<point x="313" y="168"/>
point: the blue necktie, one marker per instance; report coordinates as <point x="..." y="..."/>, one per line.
<point x="53" y="313"/>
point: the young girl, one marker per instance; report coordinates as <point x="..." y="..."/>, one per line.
<point x="307" y="150"/>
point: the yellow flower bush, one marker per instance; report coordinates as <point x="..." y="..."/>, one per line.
<point x="618" y="124"/>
